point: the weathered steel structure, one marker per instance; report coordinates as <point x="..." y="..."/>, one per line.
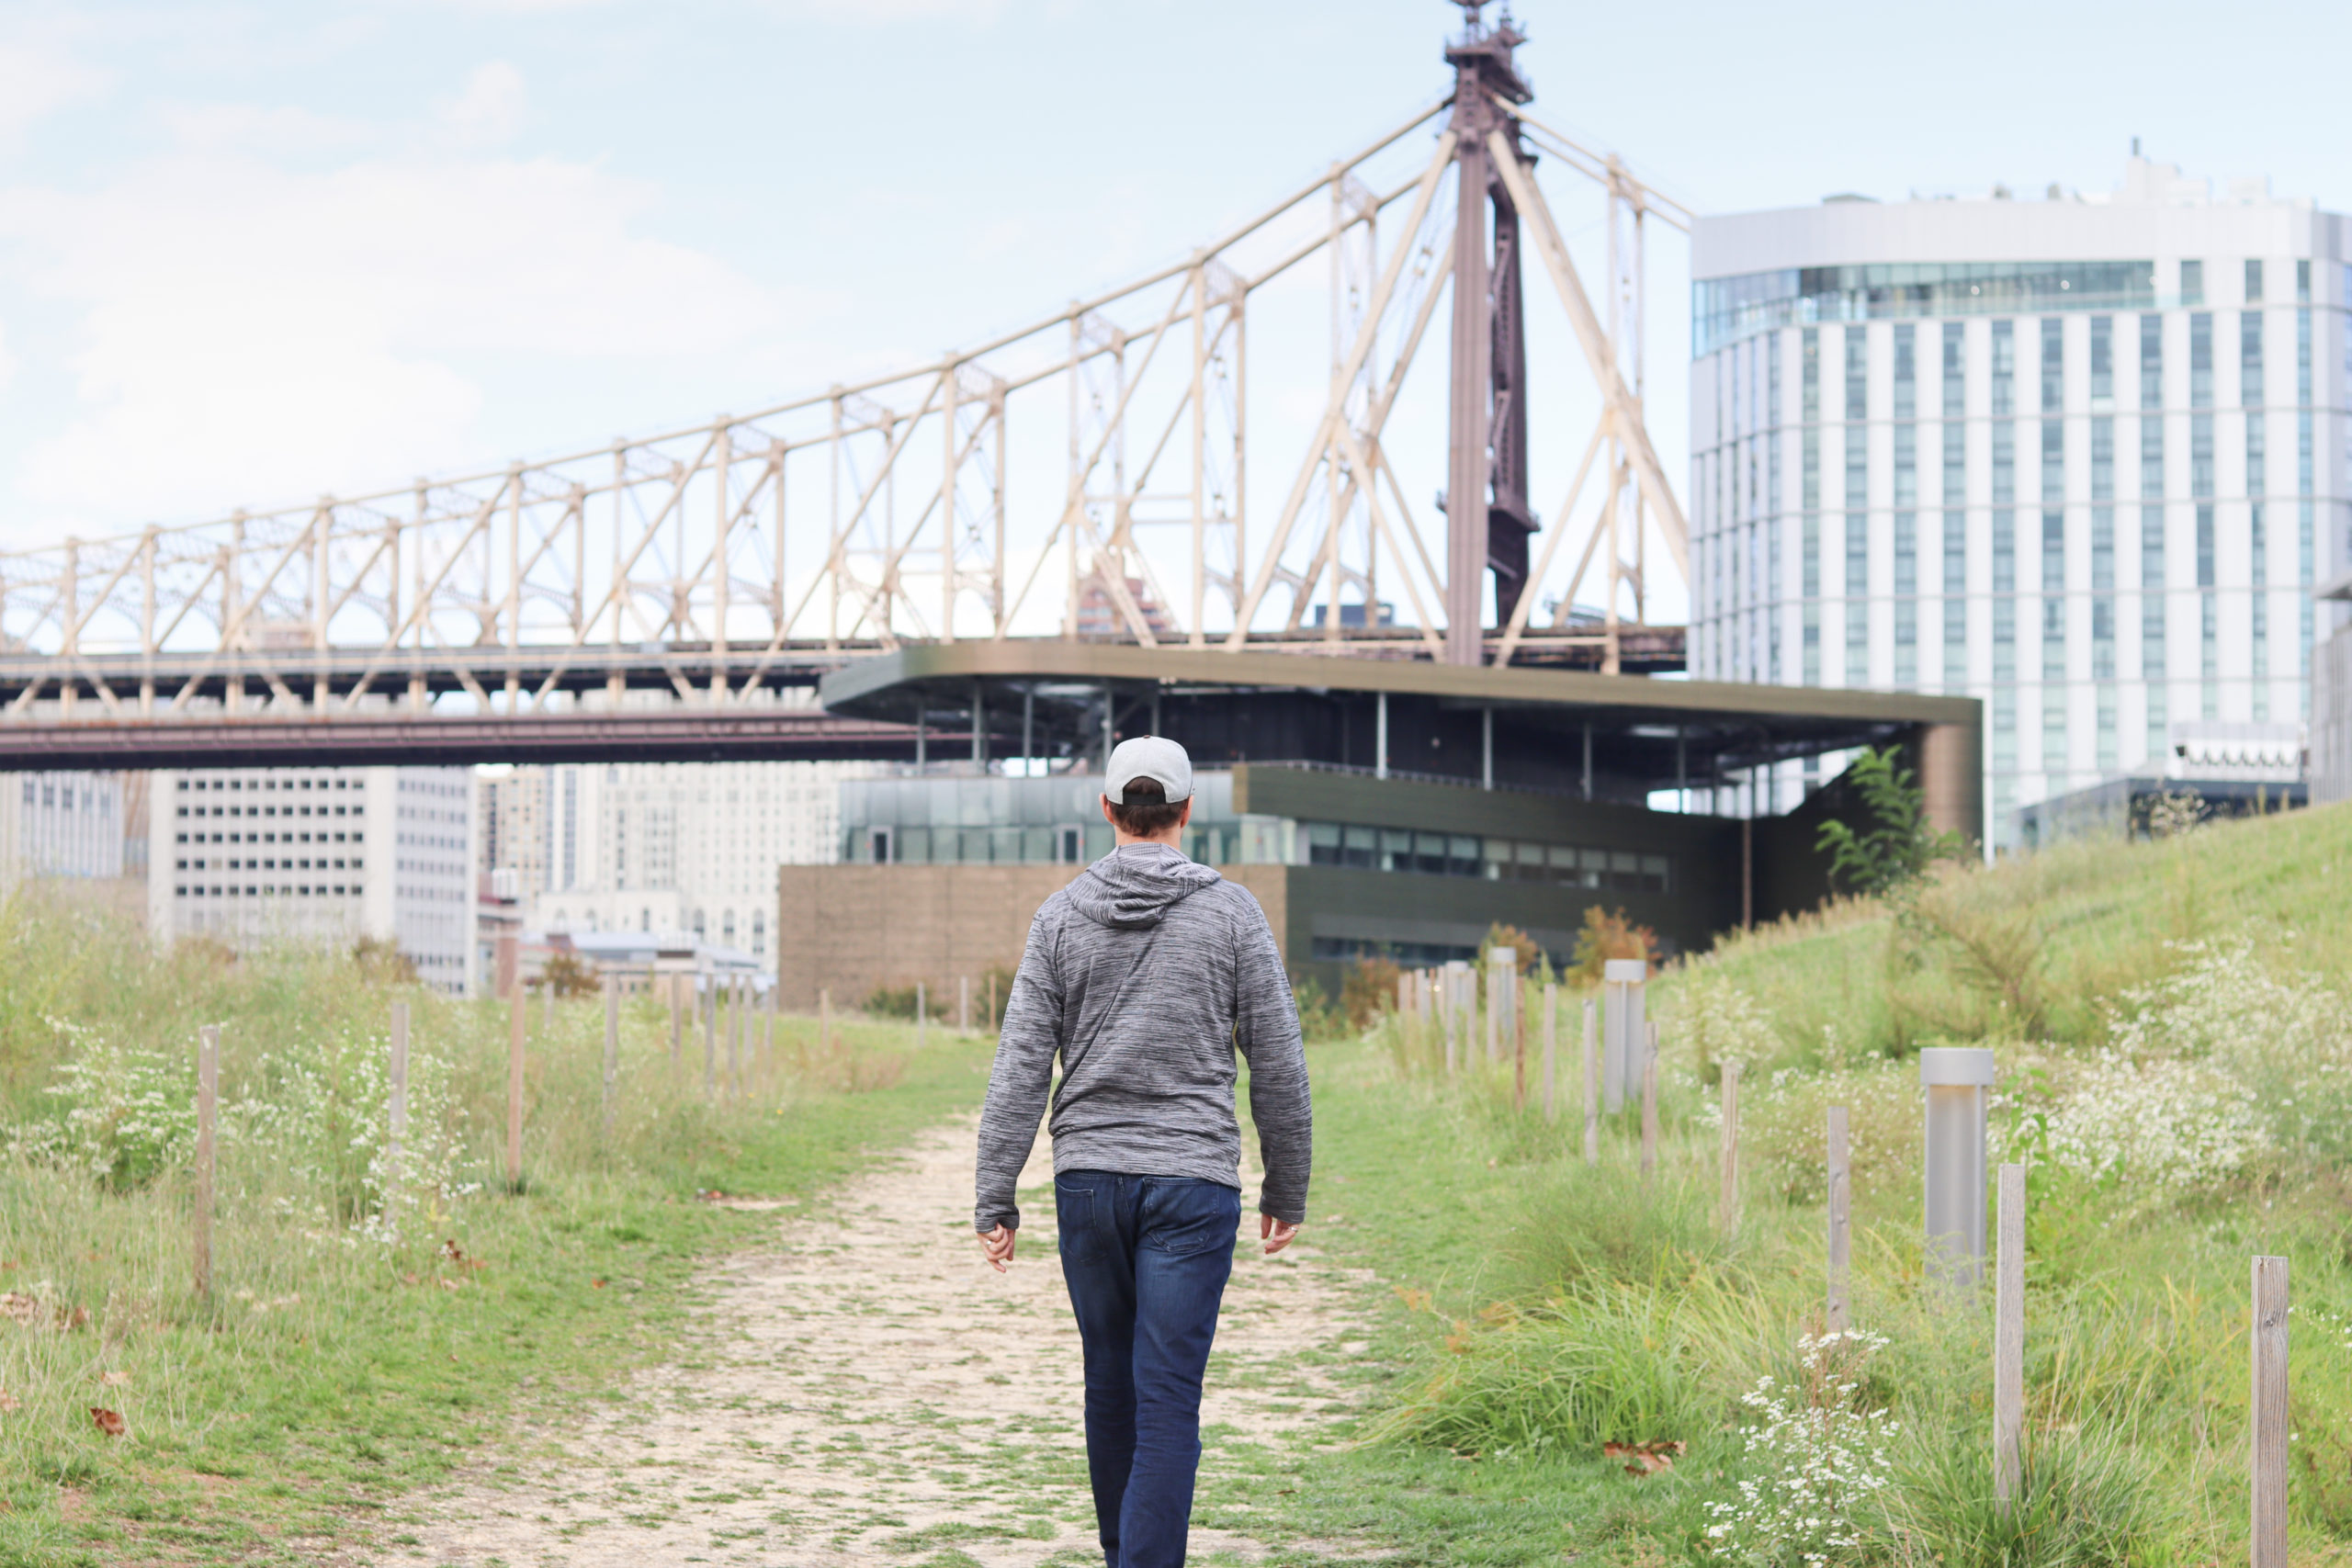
<point x="712" y="568"/>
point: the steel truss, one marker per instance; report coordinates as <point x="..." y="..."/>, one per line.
<point x="719" y="562"/>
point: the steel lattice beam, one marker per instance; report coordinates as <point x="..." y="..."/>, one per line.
<point x="762" y="550"/>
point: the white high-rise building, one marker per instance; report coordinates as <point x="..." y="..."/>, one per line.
<point x="2083" y="458"/>
<point x="668" y="846"/>
<point x="61" y="825"/>
<point x="319" y="855"/>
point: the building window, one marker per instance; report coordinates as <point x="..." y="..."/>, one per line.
<point x="2193" y="283"/>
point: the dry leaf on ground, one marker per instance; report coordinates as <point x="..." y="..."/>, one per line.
<point x="111" y="1422"/>
<point x="115" y="1379"/>
<point x="9" y="1401"/>
<point x="17" y="1305"/>
<point x="1646" y="1458"/>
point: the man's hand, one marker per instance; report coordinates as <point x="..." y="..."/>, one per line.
<point x="1276" y="1234"/>
<point x="998" y="1244"/>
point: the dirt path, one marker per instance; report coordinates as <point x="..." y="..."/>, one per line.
<point x="869" y="1391"/>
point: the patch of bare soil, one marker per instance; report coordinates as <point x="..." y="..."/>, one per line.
<point x="869" y="1391"/>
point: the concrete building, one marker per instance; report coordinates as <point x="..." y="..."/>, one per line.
<point x="61" y="825"/>
<point x="684" y="849"/>
<point x="1371" y="806"/>
<point x="319" y="855"/>
<point x="2081" y="457"/>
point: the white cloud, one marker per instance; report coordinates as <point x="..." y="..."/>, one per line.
<point x="36" y="83"/>
<point x="253" y="331"/>
<point x="490" y="109"/>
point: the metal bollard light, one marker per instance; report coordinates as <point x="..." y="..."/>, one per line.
<point x="1958" y="1082"/>
<point x="1623" y="1038"/>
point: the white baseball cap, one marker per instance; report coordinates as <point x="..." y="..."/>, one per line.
<point x="1149" y="756"/>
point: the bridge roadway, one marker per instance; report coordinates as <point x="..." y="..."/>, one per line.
<point x="284" y="739"/>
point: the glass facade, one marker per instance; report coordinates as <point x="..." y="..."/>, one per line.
<point x="1046" y="821"/>
<point x="1728" y="308"/>
<point x="1970" y="516"/>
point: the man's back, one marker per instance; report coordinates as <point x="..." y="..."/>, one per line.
<point x="1145" y="975"/>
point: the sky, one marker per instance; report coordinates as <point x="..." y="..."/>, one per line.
<point x="253" y="252"/>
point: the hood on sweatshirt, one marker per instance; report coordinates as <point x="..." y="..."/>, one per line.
<point x="1134" y="887"/>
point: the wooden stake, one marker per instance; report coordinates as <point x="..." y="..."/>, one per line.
<point x="1834" y="1315"/>
<point x="516" y="1026"/>
<point x="993" y="1024"/>
<point x="612" y="1044"/>
<point x="2008" y="1335"/>
<point x="1516" y="994"/>
<point x="923" y="1009"/>
<point x="1447" y="1005"/>
<point x="825" y="1019"/>
<point x="208" y="1104"/>
<point x="1592" y="1082"/>
<point x="734" y="1038"/>
<point x="767" y="1030"/>
<point x="1551" y="1050"/>
<point x="2268" y="1535"/>
<point x="674" y="1023"/>
<point x="1649" y="1106"/>
<point x="708" y="1007"/>
<point x="396" y="1110"/>
<point x="1730" y="1150"/>
<point x="963" y="1004"/>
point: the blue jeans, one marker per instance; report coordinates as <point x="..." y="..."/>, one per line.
<point x="1145" y="1259"/>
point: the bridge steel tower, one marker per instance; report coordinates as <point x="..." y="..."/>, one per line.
<point x="1487" y="515"/>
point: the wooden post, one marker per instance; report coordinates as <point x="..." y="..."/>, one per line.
<point x="734" y="1037"/>
<point x="1516" y="993"/>
<point x="612" y="1044"/>
<point x="2008" y="1335"/>
<point x="1592" y="1082"/>
<point x="923" y="1009"/>
<point x="1836" y="1317"/>
<point x="1447" y="1005"/>
<point x="963" y="1004"/>
<point x="675" y="1021"/>
<point x="547" y="1007"/>
<point x="1551" y="1050"/>
<point x="825" y="1019"/>
<point x="1649" y="1106"/>
<point x="396" y="1107"/>
<point x="767" y="1029"/>
<point x="994" y="1022"/>
<point x="708" y="1007"/>
<point x="2268" y="1535"/>
<point x="208" y="1102"/>
<point x="517" y="1023"/>
<point x="1730" y="1150"/>
<point x="1494" y="1009"/>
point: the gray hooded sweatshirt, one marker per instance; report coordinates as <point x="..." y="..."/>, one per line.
<point x="1145" y="975"/>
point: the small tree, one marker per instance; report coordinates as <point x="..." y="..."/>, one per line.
<point x="1606" y="936"/>
<point x="1895" y="846"/>
<point x="1367" y="987"/>
<point x="568" y="975"/>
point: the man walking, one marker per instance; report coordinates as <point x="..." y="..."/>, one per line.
<point x="1145" y="974"/>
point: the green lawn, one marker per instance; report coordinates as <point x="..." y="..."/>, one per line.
<point x="1538" y="1310"/>
<point x="2176" y="1065"/>
<point x="332" y="1371"/>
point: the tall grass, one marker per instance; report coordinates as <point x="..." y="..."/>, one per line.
<point x="2148" y="1004"/>
<point x="366" y="1324"/>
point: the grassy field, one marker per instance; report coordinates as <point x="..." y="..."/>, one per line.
<point x="2176" y="1065"/>
<point x="2176" y="1055"/>
<point x="353" y="1348"/>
